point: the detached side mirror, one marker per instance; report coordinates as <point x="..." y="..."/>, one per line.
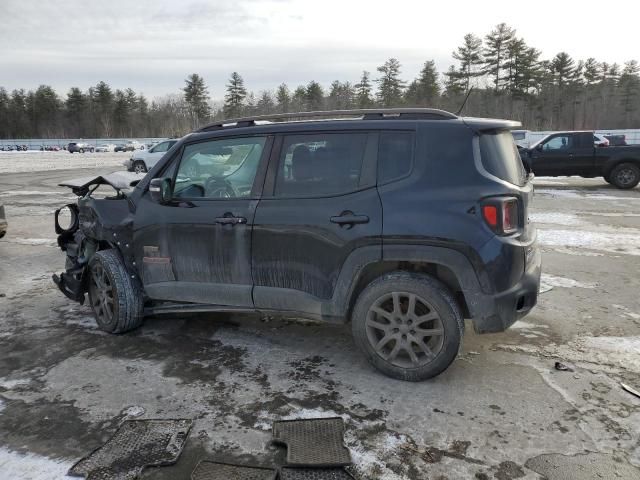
<point x="160" y="190"/>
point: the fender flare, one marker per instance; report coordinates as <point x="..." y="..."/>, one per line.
<point x="456" y="261"/>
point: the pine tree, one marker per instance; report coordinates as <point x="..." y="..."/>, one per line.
<point x="341" y="96"/>
<point x="629" y="84"/>
<point x="235" y="97"/>
<point x="454" y="84"/>
<point x="265" y="103"/>
<point x="298" y="99"/>
<point x="363" y="91"/>
<point x="390" y="86"/>
<point x="283" y="97"/>
<point x="563" y="68"/>
<point x="196" y="95"/>
<point x="591" y="71"/>
<point x="470" y="57"/>
<point x="425" y="90"/>
<point x="314" y="96"/>
<point x="495" y="52"/>
<point x="102" y="99"/>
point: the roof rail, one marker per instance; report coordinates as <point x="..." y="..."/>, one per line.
<point x="364" y="114"/>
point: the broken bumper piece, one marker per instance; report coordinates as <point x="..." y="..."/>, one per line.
<point x="71" y="283"/>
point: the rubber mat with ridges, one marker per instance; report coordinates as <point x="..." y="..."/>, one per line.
<point x="135" y="445"/>
<point x="315" y="442"/>
<point x="314" y="474"/>
<point x="207" y="470"/>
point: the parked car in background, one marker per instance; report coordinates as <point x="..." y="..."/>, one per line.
<point x="143" y="160"/>
<point x="617" y="140"/>
<point x="3" y="221"/>
<point x="105" y="147"/>
<point x="356" y="220"/>
<point x="121" y="147"/>
<point x="600" y="140"/>
<point x="74" y="147"/>
<point x="574" y="153"/>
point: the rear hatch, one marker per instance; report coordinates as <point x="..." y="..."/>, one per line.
<point x="501" y="160"/>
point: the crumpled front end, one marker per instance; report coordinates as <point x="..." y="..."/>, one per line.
<point x="91" y="225"/>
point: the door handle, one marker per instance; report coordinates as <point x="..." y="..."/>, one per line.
<point x="230" y="220"/>
<point x="349" y="218"/>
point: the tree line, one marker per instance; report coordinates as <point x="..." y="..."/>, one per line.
<point x="507" y="77"/>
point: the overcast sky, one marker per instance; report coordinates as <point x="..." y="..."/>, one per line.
<point x="152" y="45"/>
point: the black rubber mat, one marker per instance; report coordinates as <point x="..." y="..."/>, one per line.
<point x="315" y="442"/>
<point x="314" y="474"/>
<point x="135" y="445"/>
<point x="207" y="470"/>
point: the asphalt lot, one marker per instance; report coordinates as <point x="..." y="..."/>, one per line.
<point x="501" y="411"/>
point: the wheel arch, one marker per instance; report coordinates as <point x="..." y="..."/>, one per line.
<point x="614" y="162"/>
<point x="447" y="265"/>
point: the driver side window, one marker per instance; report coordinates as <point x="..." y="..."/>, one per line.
<point x="558" y="143"/>
<point x="216" y="169"/>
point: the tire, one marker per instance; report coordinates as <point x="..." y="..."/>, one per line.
<point x="108" y="278"/>
<point x="91" y="150"/>
<point x="139" y="167"/>
<point x="432" y="299"/>
<point x="625" y="176"/>
<point x="82" y="150"/>
<point x="607" y="179"/>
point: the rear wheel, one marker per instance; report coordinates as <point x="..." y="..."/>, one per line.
<point x="625" y="175"/>
<point x="139" y="167"/>
<point x="408" y="326"/>
<point x="115" y="297"/>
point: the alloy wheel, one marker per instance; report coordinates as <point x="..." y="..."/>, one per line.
<point x="101" y="294"/>
<point x="405" y="329"/>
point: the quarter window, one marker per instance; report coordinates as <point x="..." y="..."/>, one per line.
<point x="320" y="164"/>
<point x="161" y="147"/>
<point x="219" y="168"/>
<point x="395" y="155"/>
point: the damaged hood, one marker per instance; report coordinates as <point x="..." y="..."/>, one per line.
<point x="118" y="180"/>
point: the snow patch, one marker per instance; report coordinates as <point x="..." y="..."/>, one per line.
<point x="20" y="193"/>
<point x="18" y="466"/>
<point x="11" y="384"/>
<point x="553" y="281"/>
<point x="134" y="411"/>
<point x="615" y="242"/>
<point x="557" y="218"/>
<point x="568" y="193"/>
<point x="33" y="241"/>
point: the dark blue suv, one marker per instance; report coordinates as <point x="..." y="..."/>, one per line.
<point x="403" y="222"/>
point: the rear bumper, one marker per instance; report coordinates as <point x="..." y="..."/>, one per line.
<point x="503" y="309"/>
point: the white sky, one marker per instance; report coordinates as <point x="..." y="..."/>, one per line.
<point x="152" y="45"/>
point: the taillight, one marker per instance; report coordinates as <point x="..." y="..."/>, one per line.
<point x="501" y="214"/>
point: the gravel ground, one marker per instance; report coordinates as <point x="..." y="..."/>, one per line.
<point x="501" y="411"/>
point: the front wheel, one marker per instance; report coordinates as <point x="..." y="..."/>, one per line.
<point x="139" y="167"/>
<point x="625" y="175"/>
<point x="408" y="325"/>
<point x="115" y="296"/>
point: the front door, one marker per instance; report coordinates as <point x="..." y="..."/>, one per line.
<point x="320" y="204"/>
<point x="197" y="248"/>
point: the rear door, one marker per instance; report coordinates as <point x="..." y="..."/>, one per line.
<point x="320" y="204"/>
<point x="197" y="248"/>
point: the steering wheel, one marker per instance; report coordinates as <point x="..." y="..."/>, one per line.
<point x="217" y="187"/>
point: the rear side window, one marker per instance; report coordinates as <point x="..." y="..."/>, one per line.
<point x="500" y="157"/>
<point x="320" y="164"/>
<point x="395" y="155"/>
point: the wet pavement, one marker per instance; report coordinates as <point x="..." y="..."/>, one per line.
<point x="501" y="411"/>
